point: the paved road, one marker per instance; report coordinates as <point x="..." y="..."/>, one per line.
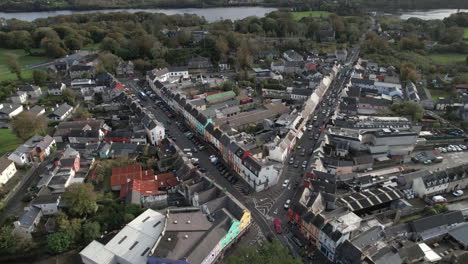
<point x="269" y="204"/>
<point x="183" y="142"/>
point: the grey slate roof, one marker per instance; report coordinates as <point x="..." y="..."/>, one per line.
<point x="433" y="221"/>
<point x="460" y="234"/>
<point x="62" y="109"/>
<point x="28" y="217"/>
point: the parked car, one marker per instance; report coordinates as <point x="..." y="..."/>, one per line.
<point x="296" y="164"/>
<point x="304" y="164"/>
<point x="287" y="203"/>
<point x="457" y="193"/>
<point x="285" y="183"/>
<point x="291" y="161"/>
<point x="439" y="199"/>
<point x="277" y="225"/>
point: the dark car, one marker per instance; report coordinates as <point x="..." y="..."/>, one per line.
<point x="233" y="180"/>
<point x="202" y="170"/>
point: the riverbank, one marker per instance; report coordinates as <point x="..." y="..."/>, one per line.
<point x="65" y="6"/>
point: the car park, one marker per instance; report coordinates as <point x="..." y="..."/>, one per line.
<point x="285" y="183"/>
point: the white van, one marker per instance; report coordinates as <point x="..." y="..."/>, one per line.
<point x="187" y="150"/>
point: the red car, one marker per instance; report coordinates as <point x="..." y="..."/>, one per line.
<point x="277" y="225"/>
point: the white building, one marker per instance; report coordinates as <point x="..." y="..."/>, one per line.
<point x="7" y="170"/>
<point x="61" y="113"/>
<point x="57" y="88"/>
<point x="8" y="111"/>
<point x="47" y="203"/>
<point x="20" y="97"/>
<point x="131" y="245"/>
<point x="161" y="75"/>
<point x="177" y="72"/>
<point x="28" y="221"/>
<point x="36" y="148"/>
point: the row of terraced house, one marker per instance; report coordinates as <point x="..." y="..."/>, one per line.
<point x="259" y="174"/>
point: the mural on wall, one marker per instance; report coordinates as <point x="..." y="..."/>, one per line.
<point x="232" y="234"/>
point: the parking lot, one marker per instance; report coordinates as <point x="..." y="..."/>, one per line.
<point x="451" y="159"/>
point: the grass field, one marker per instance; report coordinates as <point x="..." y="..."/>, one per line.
<point x="447" y="58"/>
<point x="465" y="36"/>
<point x="24" y="60"/>
<point x="299" y="15"/>
<point x="8" y="141"/>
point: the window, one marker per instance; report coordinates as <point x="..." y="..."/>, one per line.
<point x="121" y="240"/>
<point x="134" y="245"/>
<point x="144" y="252"/>
<point x="155" y="225"/>
<point x="144" y="220"/>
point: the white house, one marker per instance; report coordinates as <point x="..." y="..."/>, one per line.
<point x="47" y="203"/>
<point x="8" y="111"/>
<point x="161" y="75"/>
<point x="33" y="91"/>
<point x="20" y="97"/>
<point x="56" y="88"/>
<point x="28" y="221"/>
<point x="7" y="170"/>
<point x="155" y="131"/>
<point x="177" y="72"/>
<point x="37" y="110"/>
<point x="36" y="148"/>
<point x="61" y="113"/>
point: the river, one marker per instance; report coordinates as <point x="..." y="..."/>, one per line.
<point x="210" y="14"/>
<point x="214" y="14"/>
<point x="429" y="14"/>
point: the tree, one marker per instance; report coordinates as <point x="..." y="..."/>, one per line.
<point x="53" y="47"/>
<point x="70" y="96"/>
<point x="91" y="231"/>
<point x="80" y="199"/>
<point x="58" y="242"/>
<point x="13" y="64"/>
<point x="408" y="108"/>
<point x="10" y="244"/>
<point x="39" y="77"/>
<point x="107" y="62"/>
<point x="158" y="50"/>
<point x="408" y="72"/>
<point x="83" y="114"/>
<point x="27" y="124"/>
<point x="266" y="254"/>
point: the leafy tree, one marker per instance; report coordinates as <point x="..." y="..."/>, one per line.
<point x="27" y="124"/>
<point x="91" y="231"/>
<point x="158" y="50"/>
<point x="80" y="199"/>
<point x="11" y="244"/>
<point x="243" y="53"/>
<point x="13" y="65"/>
<point x="408" y="72"/>
<point x="452" y="35"/>
<point x="53" y="47"/>
<point x="58" y="242"/>
<point x="72" y="228"/>
<point x="39" y="77"/>
<point x="83" y="114"/>
<point x="107" y="62"/>
<point x="408" y="108"/>
<point x="267" y="253"/>
<point x="70" y="96"/>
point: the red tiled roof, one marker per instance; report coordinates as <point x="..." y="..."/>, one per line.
<point x="144" y="187"/>
<point x="122" y="175"/>
<point x="165" y="180"/>
<point x="311" y="66"/>
<point x="119" y="86"/>
<point x="461" y="86"/>
<point x="213" y="92"/>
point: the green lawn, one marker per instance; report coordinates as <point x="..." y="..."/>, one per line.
<point x="92" y="47"/>
<point x="447" y="58"/>
<point x="8" y="141"/>
<point x="23" y="58"/>
<point x="465" y="36"/>
<point x="299" y="15"/>
<point x="436" y="93"/>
